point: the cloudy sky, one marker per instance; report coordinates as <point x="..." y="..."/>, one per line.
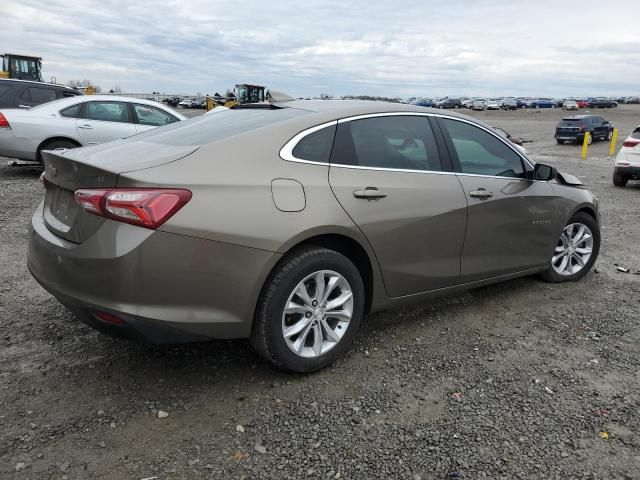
<point x="401" y="47"/>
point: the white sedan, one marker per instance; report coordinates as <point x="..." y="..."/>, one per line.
<point x="76" y="122"/>
<point x="627" y="165"/>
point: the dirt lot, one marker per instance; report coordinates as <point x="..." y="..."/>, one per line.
<point x="519" y="380"/>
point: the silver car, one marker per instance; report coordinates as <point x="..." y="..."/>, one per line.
<point x="78" y="121"/>
<point x="288" y="224"/>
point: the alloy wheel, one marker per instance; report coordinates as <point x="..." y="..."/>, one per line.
<point x="317" y="314"/>
<point x="573" y="250"/>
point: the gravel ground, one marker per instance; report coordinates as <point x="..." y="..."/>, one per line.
<point x="520" y="380"/>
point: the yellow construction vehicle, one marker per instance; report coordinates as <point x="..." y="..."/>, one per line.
<point x="246" y="94"/>
<point x="22" y="67"/>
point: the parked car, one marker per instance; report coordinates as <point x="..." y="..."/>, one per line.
<point x="77" y="121"/>
<point x="522" y="103"/>
<point x="542" y="103"/>
<point x="627" y="166"/>
<point x="479" y="105"/>
<point x="573" y="129"/>
<point x="557" y="102"/>
<point x="449" y="103"/>
<point x="423" y="102"/>
<point x="27" y="94"/>
<point x="287" y="225"/>
<point x="186" y="103"/>
<point x="582" y="103"/>
<point x="570" y="105"/>
<point x="174" y="101"/>
<point x="492" y="105"/>
<point x="601" y="102"/>
<point x="509" y="104"/>
<point x="468" y="102"/>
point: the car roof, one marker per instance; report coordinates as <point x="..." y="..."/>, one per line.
<point x="578" y="117"/>
<point x="32" y="82"/>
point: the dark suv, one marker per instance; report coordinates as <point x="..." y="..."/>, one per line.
<point x="574" y="128"/>
<point x="27" y="94"/>
<point x="449" y="103"/>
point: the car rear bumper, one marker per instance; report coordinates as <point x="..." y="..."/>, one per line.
<point x="14" y="147"/>
<point x="166" y="288"/>
<point x="629" y="171"/>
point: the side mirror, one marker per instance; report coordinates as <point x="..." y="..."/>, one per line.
<point x="544" y="172"/>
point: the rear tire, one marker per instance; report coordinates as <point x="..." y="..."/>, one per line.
<point x="579" y="219"/>
<point x="54" y="145"/>
<point x="301" y="268"/>
<point x="619" y="178"/>
<point x="560" y="142"/>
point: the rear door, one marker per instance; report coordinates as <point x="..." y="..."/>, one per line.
<point x="147" y="117"/>
<point x="387" y="173"/>
<point x="33" y="96"/>
<point x="104" y="121"/>
<point x="511" y="224"/>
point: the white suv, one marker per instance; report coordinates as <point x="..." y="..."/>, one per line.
<point x="628" y="160"/>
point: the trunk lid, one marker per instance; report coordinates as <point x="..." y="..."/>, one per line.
<point x="94" y="167"/>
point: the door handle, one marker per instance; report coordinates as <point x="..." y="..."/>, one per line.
<point x="481" y="193"/>
<point x="86" y="126"/>
<point x="369" y="193"/>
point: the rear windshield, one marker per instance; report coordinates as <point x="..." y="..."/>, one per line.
<point x="636" y="133"/>
<point x="570" y="122"/>
<point x="217" y="125"/>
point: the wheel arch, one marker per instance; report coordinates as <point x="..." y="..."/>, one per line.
<point x="49" y="140"/>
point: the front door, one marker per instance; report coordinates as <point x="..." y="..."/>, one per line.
<point x="387" y="174"/>
<point x="510" y="218"/>
<point x="101" y="122"/>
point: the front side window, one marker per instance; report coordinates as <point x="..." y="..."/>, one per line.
<point x="397" y="142"/>
<point x="316" y="147"/>
<point x="107" y="111"/>
<point x="481" y="153"/>
<point x="147" y="115"/>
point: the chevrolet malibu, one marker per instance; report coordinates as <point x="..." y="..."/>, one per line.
<point x="288" y="224"/>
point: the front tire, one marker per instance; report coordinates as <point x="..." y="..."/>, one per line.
<point x="576" y="250"/>
<point x="310" y="310"/>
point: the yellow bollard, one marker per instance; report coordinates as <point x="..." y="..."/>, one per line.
<point x="614" y="140"/>
<point x="585" y="145"/>
<point x="209" y="103"/>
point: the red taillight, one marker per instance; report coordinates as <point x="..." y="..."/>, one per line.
<point x="148" y="208"/>
<point x="4" y="123"/>
<point x="631" y="142"/>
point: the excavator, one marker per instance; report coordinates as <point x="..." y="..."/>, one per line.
<point x="22" y="67"/>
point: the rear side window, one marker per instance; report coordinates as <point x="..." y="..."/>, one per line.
<point x="107" y="111"/>
<point x="401" y="142"/>
<point x="39" y="95"/>
<point x="481" y="153"/>
<point x="316" y="147"/>
<point x="636" y="133"/>
<point x="148" y="115"/>
<point x="71" y="112"/>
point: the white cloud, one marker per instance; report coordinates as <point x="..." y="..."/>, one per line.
<point x="430" y="48"/>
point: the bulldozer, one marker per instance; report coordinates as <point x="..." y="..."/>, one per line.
<point x="22" y="67"/>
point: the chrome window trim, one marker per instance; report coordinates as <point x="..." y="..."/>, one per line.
<point x="286" y="152"/>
